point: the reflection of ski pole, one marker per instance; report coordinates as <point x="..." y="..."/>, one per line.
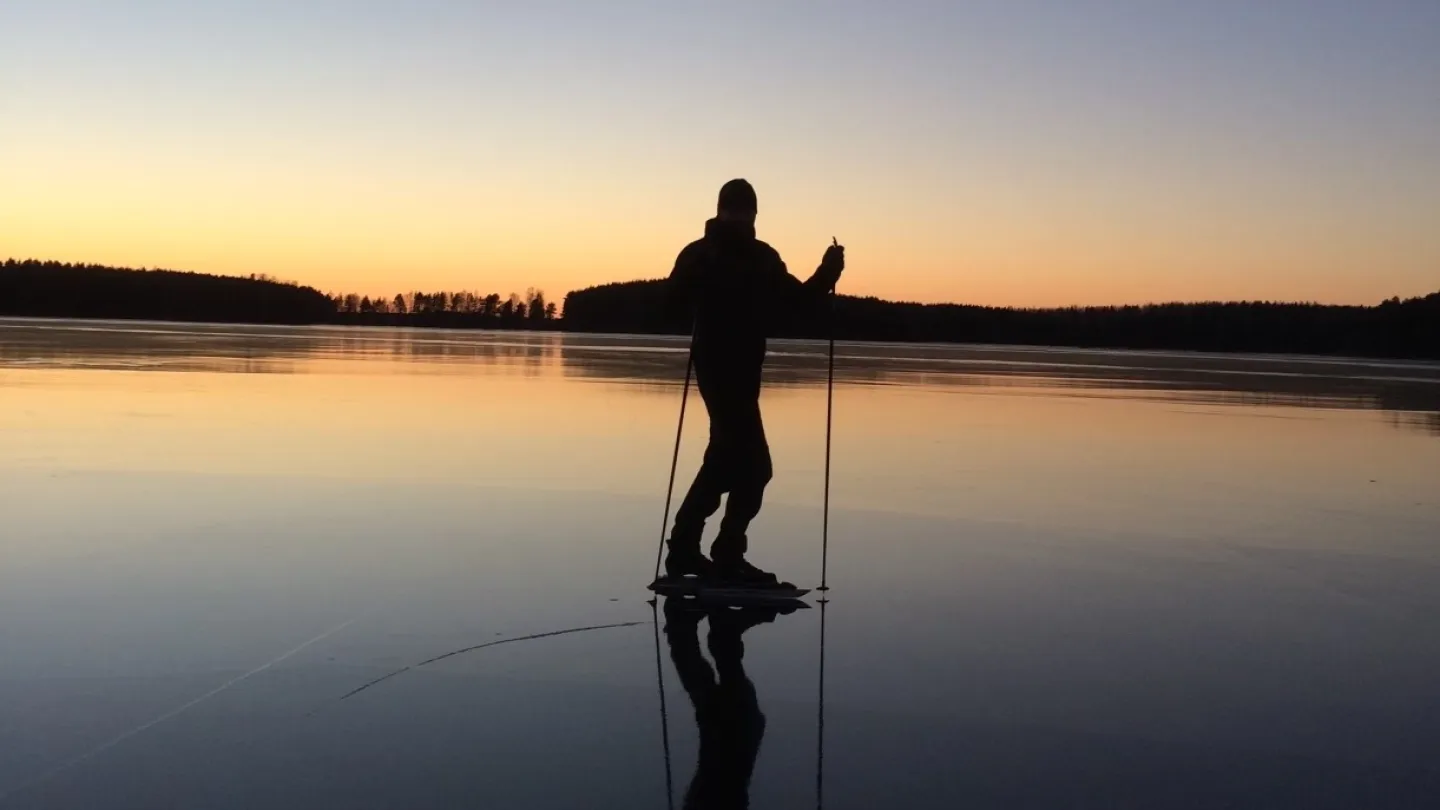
<point x="664" y="715"/>
<point x="675" y="459"/>
<point x="820" y="719"/>
<point x="829" y="419"/>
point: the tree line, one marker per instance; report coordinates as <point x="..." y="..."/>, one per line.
<point x="450" y="309"/>
<point x="1394" y="328"/>
<point x="50" y="289"/>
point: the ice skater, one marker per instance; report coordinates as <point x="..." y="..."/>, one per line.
<point x="737" y="289"/>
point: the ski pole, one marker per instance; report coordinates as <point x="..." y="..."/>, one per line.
<point x="675" y="458"/>
<point x="829" y="421"/>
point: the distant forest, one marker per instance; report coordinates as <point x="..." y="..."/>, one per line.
<point x="1394" y="328"/>
<point x="31" y="288"/>
<point x="55" y="290"/>
<point x="457" y="310"/>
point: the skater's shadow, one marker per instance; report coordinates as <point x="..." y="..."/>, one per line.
<point x="726" y="709"/>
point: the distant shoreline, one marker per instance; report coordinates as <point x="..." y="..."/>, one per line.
<point x="1394" y="329"/>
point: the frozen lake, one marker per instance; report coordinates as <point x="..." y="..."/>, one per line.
<point x="1060" y="578"/>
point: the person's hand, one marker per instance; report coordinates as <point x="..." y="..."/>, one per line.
<point x="833" y="264"/>
<point x="834" y="260"/>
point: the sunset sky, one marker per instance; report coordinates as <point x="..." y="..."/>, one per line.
<point x="1005" y="152"/>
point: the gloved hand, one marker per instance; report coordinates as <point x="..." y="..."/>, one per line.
<point x="833" y="264"/>
<point x="834" y="260"/>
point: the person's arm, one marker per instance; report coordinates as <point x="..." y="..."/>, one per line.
<point x="827" y="275"/>
<point x="821" y="282"/>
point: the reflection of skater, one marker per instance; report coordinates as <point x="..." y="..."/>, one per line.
<point x="738" y="288"/>
<point x="726" y="710"/>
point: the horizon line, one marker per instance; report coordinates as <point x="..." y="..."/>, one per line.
<point x="266" y="277"/>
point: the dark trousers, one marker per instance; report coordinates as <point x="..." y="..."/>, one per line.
<point x="737" y="461"/>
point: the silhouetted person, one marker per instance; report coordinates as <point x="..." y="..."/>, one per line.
<point x="726" y="710"/>
<point x="737" y="288"/>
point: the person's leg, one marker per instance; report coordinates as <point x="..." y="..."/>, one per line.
<point x="753" y="471"/>
<point x="702" y="499"/>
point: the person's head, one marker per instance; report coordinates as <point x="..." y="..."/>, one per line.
<point x="737" y="202"/>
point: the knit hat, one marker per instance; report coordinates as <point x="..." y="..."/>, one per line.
<point x="737" y="195"/>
